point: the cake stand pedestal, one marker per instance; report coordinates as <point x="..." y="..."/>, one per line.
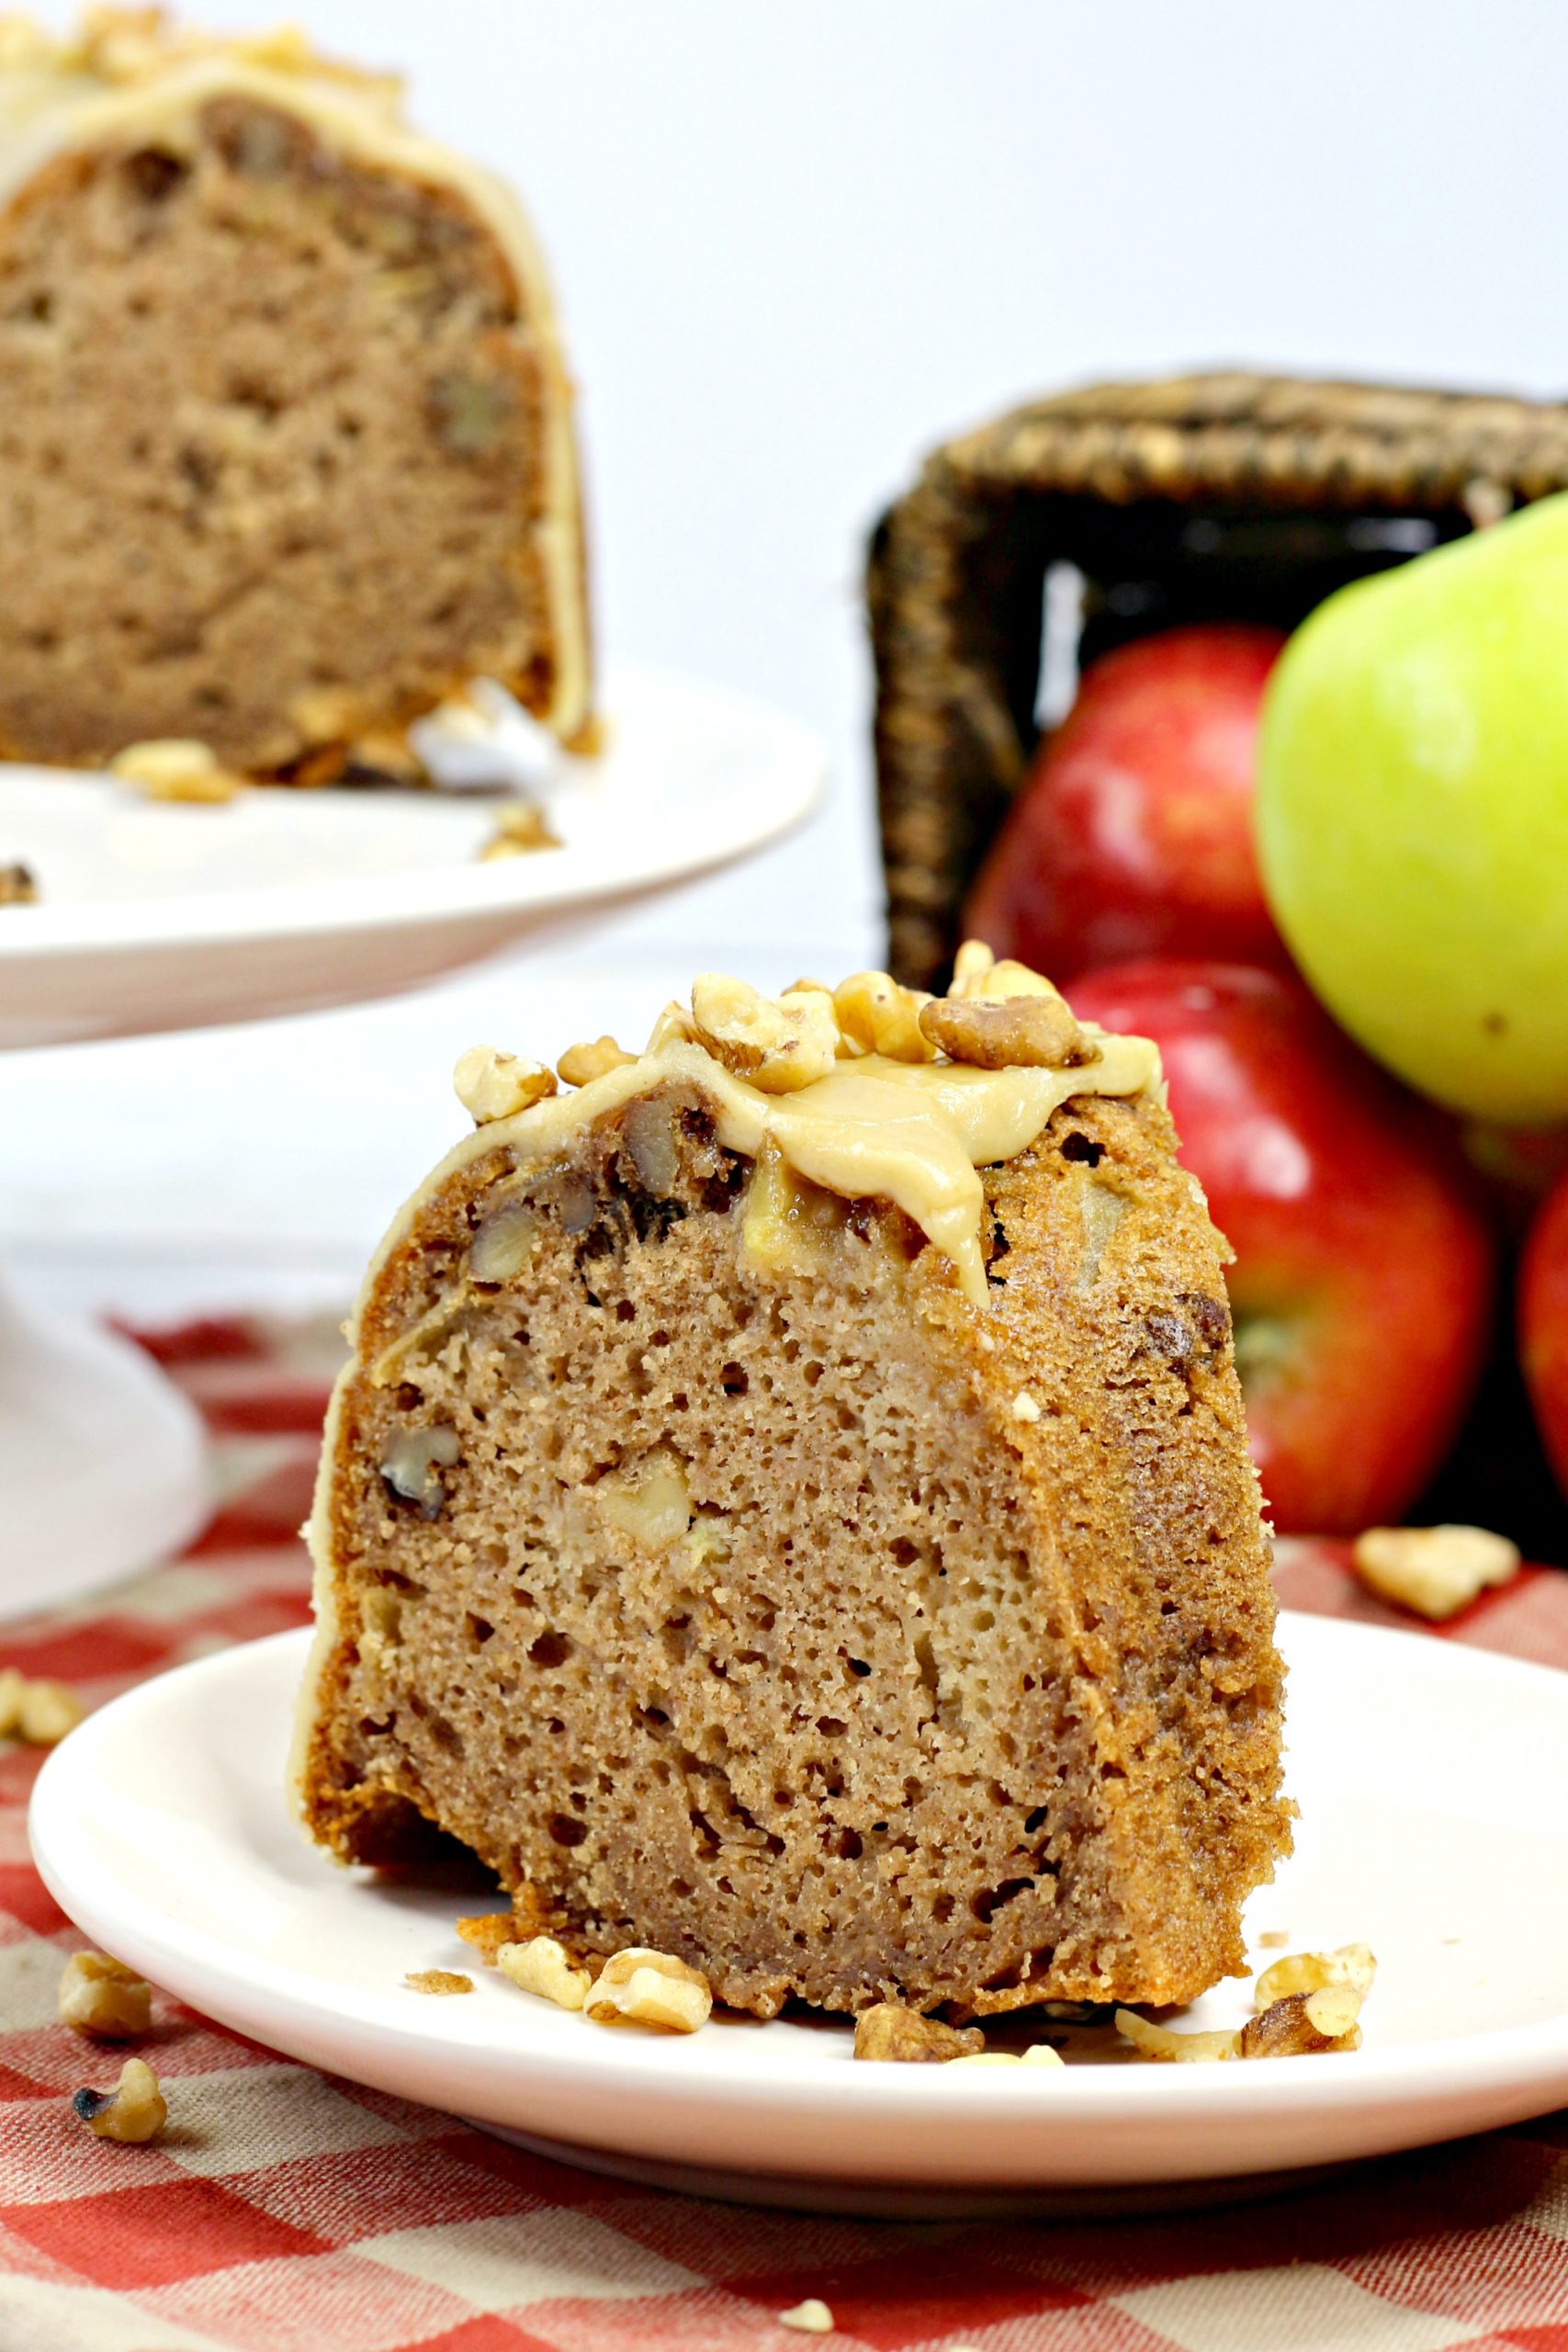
<point x="154" y="917"/>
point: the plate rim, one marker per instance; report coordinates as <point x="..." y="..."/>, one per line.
<point x="1511" y="2061"/>
<point x="279" y="912"/>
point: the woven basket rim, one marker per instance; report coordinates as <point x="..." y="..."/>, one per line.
<point x="1274" y="438"/>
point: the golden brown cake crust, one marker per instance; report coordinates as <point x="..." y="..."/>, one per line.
<point x="286" y="452"/>
<point x="847" y="1638"/>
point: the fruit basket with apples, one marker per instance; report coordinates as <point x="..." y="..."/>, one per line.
<point x="1239" y="705"/>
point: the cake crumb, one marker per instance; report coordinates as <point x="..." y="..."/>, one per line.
<point x="486" y="1931"/>
<point x="1025" y="1408"/>
<point x="18" y="886"/>
<point x="438" y="1980"/>
<point x="1274" y="1939"/>
<point x="811" y="2318"/>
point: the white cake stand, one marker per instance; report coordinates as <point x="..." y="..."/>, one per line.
<point x="155" y="917"/>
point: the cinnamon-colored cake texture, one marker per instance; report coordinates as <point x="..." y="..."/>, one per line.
<point x="789" y="1507"/>
<point x="286" y="449"/>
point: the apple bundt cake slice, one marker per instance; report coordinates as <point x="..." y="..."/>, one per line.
<point x="286" y="444"/>
<point x="789" y="1506"/>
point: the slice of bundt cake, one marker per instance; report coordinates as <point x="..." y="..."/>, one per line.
<point x="286" y="447"/>
<point x="789" y="1507"/>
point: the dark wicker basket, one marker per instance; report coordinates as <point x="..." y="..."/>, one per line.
<point x="1230" y="497"/>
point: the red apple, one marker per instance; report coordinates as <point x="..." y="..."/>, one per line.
<point x="1362" y="1285"/>
<point x="1133" y="835"/>
<point x="1543" y="1327"/>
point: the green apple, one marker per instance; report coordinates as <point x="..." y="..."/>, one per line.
<point x="1412" y="815"/>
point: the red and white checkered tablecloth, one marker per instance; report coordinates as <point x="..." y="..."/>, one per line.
<point x="286" y="2212"/>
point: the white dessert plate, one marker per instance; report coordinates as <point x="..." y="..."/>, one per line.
<point x="1430" y="1779"/>
<point x="163" y="916"/>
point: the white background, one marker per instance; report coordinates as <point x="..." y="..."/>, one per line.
<point x="795" y="244"/>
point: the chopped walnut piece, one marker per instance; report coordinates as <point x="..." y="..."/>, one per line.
<point x="811" y="2318"/>
<point x="893" y="2035"/>
<point x="674" y="1027"/>
<point x="651" y="1135"/>
<point x="876" y="1016"/>
<point x="412" y="1462"/>
<point x="970" y="966"/>
<point x="1434" y="1570"/>
<point x="176" y="768"/>
<point x="1303" y="2024"/>
<point x="581" y="1064"/>
<point x="492" y="1085"/>
<point x="504" y="1241"/>
<point x="134" y="2112"/>
<point x="1019" y="1032"/>
<point x="1183" y="2049"/>
<point x="48" y="1711"/>
<point x="1309" y="1972"/>
<point x="649" y="1988"/>
<point x="778" y="1043"/>
<point x="103" y="1997"/>
<point x="977" y="973"/>
<point x="440" y="1981"/>
<point x="546" y="1967"/>
<point x="38" y="1713"/>
<point x="17" y="888"/>
<point x="520" y="829"/>
<point x="650" y="1500"/>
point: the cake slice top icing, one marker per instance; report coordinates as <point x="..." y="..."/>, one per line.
<point x="847" y="1086"/>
